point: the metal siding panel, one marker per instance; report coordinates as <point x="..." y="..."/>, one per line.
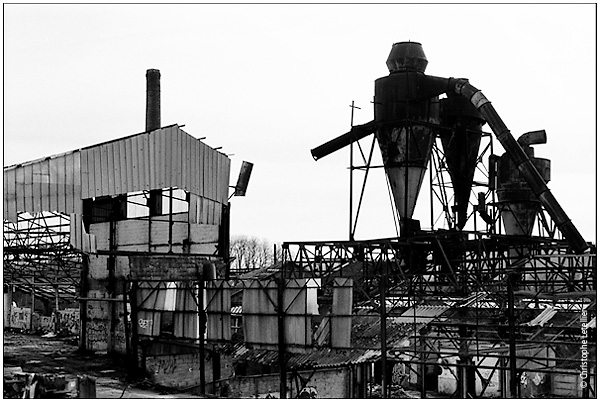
<point x="129" y="165"/>
<point x="196" y="166"/>
<point x="59" y="175"/>
<point x="199" y="164"/>
<point x="205" y="170"/>
<point x="69" y="179"/>
<point x="84" y="175"/>
<point x="11" y="192"/>
<point x="106" y="178"/>
<point x="185" y="170"/>
<point x="77" y="183"/>
<point x="97" y="172"/>
<point x="135" y="166"/>
<point x="28" y="187"/>
<point x="116" y="149"/>
<point x="20" y="188"/>
<point x="175" y="162"/>
<point x="145" y="163"/>
<point x="37" y="186"/>
<point x="151" y="151"/>
<point x="209" y="174"/>
<point x="121" y="163"/>
<point x="45" y="180"/>
<point x="56" y="182"/>
<point x="227" y="176"/>
<point x="163" y="151"/>
<point x="110" y="168"/>
<point x="91" y="173"/>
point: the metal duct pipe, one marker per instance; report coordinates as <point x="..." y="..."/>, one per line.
<point x="152" y="100"/>
<point x="355" y="134"/>
<point x="523" y="163"/>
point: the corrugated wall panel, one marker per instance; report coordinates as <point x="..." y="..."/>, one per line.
<point x="117" y="169"/>
<point x="97" y="171"/>
<point x="37" y="187"/>
<point x="205" y="169"/>
<point x="123" y="167"/>
<point x="110" y="168"/>
<point x="85" y="174"/>
<point x="45" y="179"/>
<point x="10" y="203"/>
<point x="198" y="164"/>
<point x="29" y="204"/>
<point x="103" y="173"/>
<point x="131" y="169"/>
<point x="145" y="163"/>
<point x="151" y="152"/>
<point x="57" y="184"/>
<point x="70" y="183"/>
<point x="174" y="162"/>
<point x="20" y="188"/>
<point x="77" y="183"/>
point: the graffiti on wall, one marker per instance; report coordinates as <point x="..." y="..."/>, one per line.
<point x="97" y="335"/>
<point x="20" y="318"/>
<point x="69" y="321"/>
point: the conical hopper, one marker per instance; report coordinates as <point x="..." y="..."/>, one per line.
<point x="460" y="143"/>
<point x="403" y="111"/>
<point x="405" y="152"/>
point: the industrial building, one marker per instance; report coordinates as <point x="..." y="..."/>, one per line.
<point x="126" y="244"/>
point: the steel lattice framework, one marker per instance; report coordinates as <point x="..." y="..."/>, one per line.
<point x="38" y="255"/>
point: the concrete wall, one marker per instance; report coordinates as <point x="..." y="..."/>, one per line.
<point x="179" y="367"/>
<point x="20" y="318"/>
<point x="328" y="383"/>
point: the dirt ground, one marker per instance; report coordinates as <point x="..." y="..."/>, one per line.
<point x="36" y="354"/>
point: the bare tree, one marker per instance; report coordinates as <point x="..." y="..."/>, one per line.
<point x="252" y="253"/>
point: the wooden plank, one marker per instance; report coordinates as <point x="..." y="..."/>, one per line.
<point x="29" y="204"/>
<point x="77" y="183"/>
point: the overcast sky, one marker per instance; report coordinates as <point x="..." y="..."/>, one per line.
<point x="270" y="82"/>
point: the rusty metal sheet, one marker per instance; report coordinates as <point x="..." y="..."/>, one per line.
<point x="218" y="310"/>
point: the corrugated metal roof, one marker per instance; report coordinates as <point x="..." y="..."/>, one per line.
<point x="543" y="317"/>
<point x="168" y="157"/>
<point x="313" y="358"/>
<point x="420" y="314"/>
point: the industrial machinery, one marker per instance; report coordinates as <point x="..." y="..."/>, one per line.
<point x="497" y="283"/>
<point x="408" y="117"/>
